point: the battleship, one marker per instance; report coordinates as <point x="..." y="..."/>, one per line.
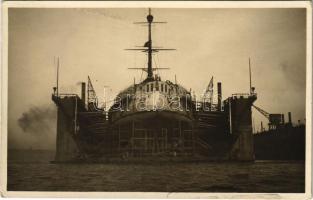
<point x="156" y="119"/>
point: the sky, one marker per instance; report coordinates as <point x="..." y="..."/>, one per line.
<point x="209" y="42"/>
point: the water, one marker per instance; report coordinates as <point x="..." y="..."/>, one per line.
<point x="31" y="171"/>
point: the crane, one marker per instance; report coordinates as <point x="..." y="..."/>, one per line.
<point x="208" y="94"/>
<point x="207" y="97"/>
<point x="275" y="120"/>
<point x="263" y="112"/>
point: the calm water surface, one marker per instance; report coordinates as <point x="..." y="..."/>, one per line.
<point x="31" y="171"/>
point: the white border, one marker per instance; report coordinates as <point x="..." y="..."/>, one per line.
<point x="155" y="4"/>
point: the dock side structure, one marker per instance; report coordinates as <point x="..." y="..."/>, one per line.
<point x="238" y="109"/>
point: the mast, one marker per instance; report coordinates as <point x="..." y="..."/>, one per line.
<point x="58" y="66"/>
<point x="250" y="77"/>
<point x="149" y="20"/>
<point x="149" y="49"/>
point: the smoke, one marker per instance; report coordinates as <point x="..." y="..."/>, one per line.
<point x="38" y="120"/>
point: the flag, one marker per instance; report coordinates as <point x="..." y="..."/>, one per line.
<point x="147" y="44"/>
<point x="210" y="86"/>
<point x="208" y="94"/>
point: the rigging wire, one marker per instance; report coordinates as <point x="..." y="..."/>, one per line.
<point x="135" y="55"/>
<point x="141" y="75"/>
<point x="156" y="66"/>
<point x="157" y="57"/>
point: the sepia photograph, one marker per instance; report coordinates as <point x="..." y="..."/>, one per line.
<point x="164" y="99"/>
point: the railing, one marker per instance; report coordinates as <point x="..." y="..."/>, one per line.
<point x="204" y="106"/>
<point x="66" y="95"/>
<point x="243" y="95"/>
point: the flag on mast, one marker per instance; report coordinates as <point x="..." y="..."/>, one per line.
<point x="208" y="94"/>
<point x="210" y="86"/>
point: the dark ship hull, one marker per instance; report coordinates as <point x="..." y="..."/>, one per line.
<point x="284" y="143"/>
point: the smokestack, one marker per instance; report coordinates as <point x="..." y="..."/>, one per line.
<point x="83" y="93"/>
<point x="289" y="118"/>
<point x="282" y="118"/>
<point x="219" y="96"/>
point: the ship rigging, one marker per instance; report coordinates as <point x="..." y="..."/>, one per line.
<point x="149" y="49"/>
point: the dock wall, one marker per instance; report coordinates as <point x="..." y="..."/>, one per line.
<point x="240" y="127"/>
<point x="66" y="146"/>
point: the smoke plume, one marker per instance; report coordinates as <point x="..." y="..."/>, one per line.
<point x="38" y="120"/>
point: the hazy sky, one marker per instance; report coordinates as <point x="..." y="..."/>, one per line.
<point x="209" y="42"/>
